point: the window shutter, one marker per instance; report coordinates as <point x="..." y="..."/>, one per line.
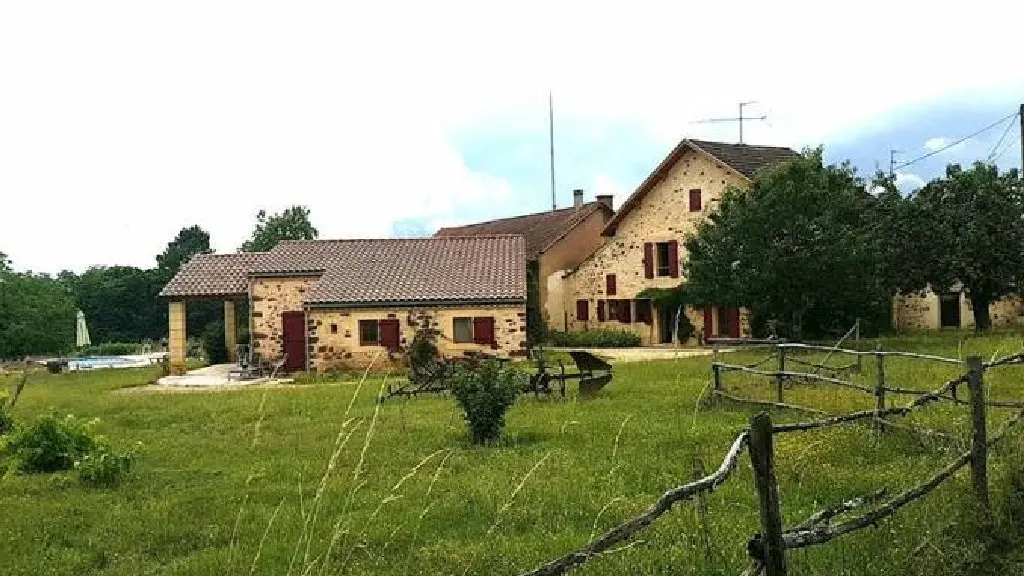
<point x="695" y="200"/>
<point x="389" y="333"/>
<point x="708" y="326"/>
<point x="601" y="311"/>
<point x="648" y="260"/>
<point x="582" y="312"/>
<point x="734" y="323"/>
<point x="483" y="330"/>
<point x="673" y="259"/>
<point x="625" y="315"/>
<point x="643" y="311"/>
<point x="609" y="281"/>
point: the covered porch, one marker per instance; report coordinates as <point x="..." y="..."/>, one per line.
<point x="206" y="277"/>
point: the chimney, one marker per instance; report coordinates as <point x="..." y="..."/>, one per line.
<point x="606" y="199"/>
<point x="577" y="198"/>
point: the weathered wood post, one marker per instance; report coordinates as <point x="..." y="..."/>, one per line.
<point x="716" y="370"/>
<point x="879" y="386"/>
<point x="762" y="458"/>
<point x="979" y="436"/>
<point x="779" y="378"/>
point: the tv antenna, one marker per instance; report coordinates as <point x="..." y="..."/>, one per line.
<point x="739" y="118"/>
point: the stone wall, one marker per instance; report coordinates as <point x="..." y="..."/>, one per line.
<point x="271" y="297"/>
<point x="565" y="254"/>
<point x="334" y="334"/>
<point x="662" y="215"/>
<point x="922" y="312"/>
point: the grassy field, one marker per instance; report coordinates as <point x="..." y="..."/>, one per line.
<point x="233" y="482"/>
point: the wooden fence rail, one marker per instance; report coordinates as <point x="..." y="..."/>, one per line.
<point x="767" y="548"/>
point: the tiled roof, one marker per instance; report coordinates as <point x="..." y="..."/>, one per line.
<point x="361" y="272"/>
<point x="744" y="159"/>
<point x="213" y="275"/>
<point x="541" y="230"/>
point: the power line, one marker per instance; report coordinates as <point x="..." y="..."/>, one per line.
<point x="961" y="140"/>
<point x="1007" y="147"/>
<point x="999" y="143"/>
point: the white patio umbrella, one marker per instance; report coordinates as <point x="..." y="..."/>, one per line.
<point x="82" y="332"/>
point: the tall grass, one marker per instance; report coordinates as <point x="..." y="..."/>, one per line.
<point x="274" y="481"/>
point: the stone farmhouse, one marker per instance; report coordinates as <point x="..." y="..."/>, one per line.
<point x="556" y="241"/>
<point x="643" y="243"/>
<point x="342" y="304"/>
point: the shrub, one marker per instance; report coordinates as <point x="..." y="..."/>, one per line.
<point x="52" y="443"/>
<point x="485" y="393"/>
<point x="110" y="349"/>
<point x="424" y="357"/>
<point x="601" y="338"/>
<point x="6" y="420"/>
<point x="213" y="343"/>
<point x="103" y="467"/>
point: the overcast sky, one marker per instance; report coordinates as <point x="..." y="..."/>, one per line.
<point x="122" y="122"/>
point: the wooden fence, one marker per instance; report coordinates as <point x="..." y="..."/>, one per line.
<point x="767" y="548"/>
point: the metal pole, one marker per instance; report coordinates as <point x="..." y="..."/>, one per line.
<point x="551" y="141"/>
<point x="1020" y="116"/>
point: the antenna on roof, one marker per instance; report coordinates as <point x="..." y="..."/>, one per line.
<point x="551" y="140"/>
<point x="739" y="119"/>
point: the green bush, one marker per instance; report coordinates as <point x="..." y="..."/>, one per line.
<point x="52" y="443"/>
<point x="485" y="393"/>
<point x="601" y="338"/>
<point x="424" y="357"/>
<point x="104" y="468"/>
<point x="213" y="343"/>
<point x="110" y="349"/>
<point x="6" y="420"/>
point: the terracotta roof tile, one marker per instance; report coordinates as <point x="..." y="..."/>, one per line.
<point x="360" y="272"/>
<point x="213" y="275"/>
<point x="541" y="230"/>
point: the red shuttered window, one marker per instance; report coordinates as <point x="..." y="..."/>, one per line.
<point x="648" y="260"/>
<point x="582" y="311"/>
<point x="483" y="330"/>
<point x="695" y="200"/>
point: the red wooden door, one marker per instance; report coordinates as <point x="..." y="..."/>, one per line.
<point x="294" y="331"/>
<point x="734" y="322"/>
<point x="708" y="319"/>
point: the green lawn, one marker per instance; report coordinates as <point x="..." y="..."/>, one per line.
<point x="228" y="482"/>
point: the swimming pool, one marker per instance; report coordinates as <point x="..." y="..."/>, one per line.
<point x="94" y="362"/>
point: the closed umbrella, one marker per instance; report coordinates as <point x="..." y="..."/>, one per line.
<point x="82" y="332"/>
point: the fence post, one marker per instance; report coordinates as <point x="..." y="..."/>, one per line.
<point x="979" y="440"/>
<point x="779" y="377"/>
<point x="716" y="370"/>
<point x="879" y="385"/>
<point x="761" y="456"/>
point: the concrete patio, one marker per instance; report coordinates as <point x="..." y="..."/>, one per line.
<point x="213" y="376"/>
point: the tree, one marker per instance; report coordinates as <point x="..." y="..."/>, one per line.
<point x="5" y="264"/>
<point x="120" y="303"/>
<point x="189" y="242"/>
<point x="292" y="224"/>
<point x="797" y="247"/>
<point x="968" y="231"/>
<point x="37" y="314"/>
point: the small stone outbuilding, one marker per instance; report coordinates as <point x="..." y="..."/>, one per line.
<point x="344" y="304"/>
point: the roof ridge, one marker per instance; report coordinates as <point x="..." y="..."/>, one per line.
<point x="424" y="239"/>
<point x="739" y="144"/>
<point x="507" y="218"/>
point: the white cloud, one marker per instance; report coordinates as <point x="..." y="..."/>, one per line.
<point x="906" y="181"/>
<point x="943" y="144"/>
<point x="121" y="122"/>
<point x="603" y="184"/>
